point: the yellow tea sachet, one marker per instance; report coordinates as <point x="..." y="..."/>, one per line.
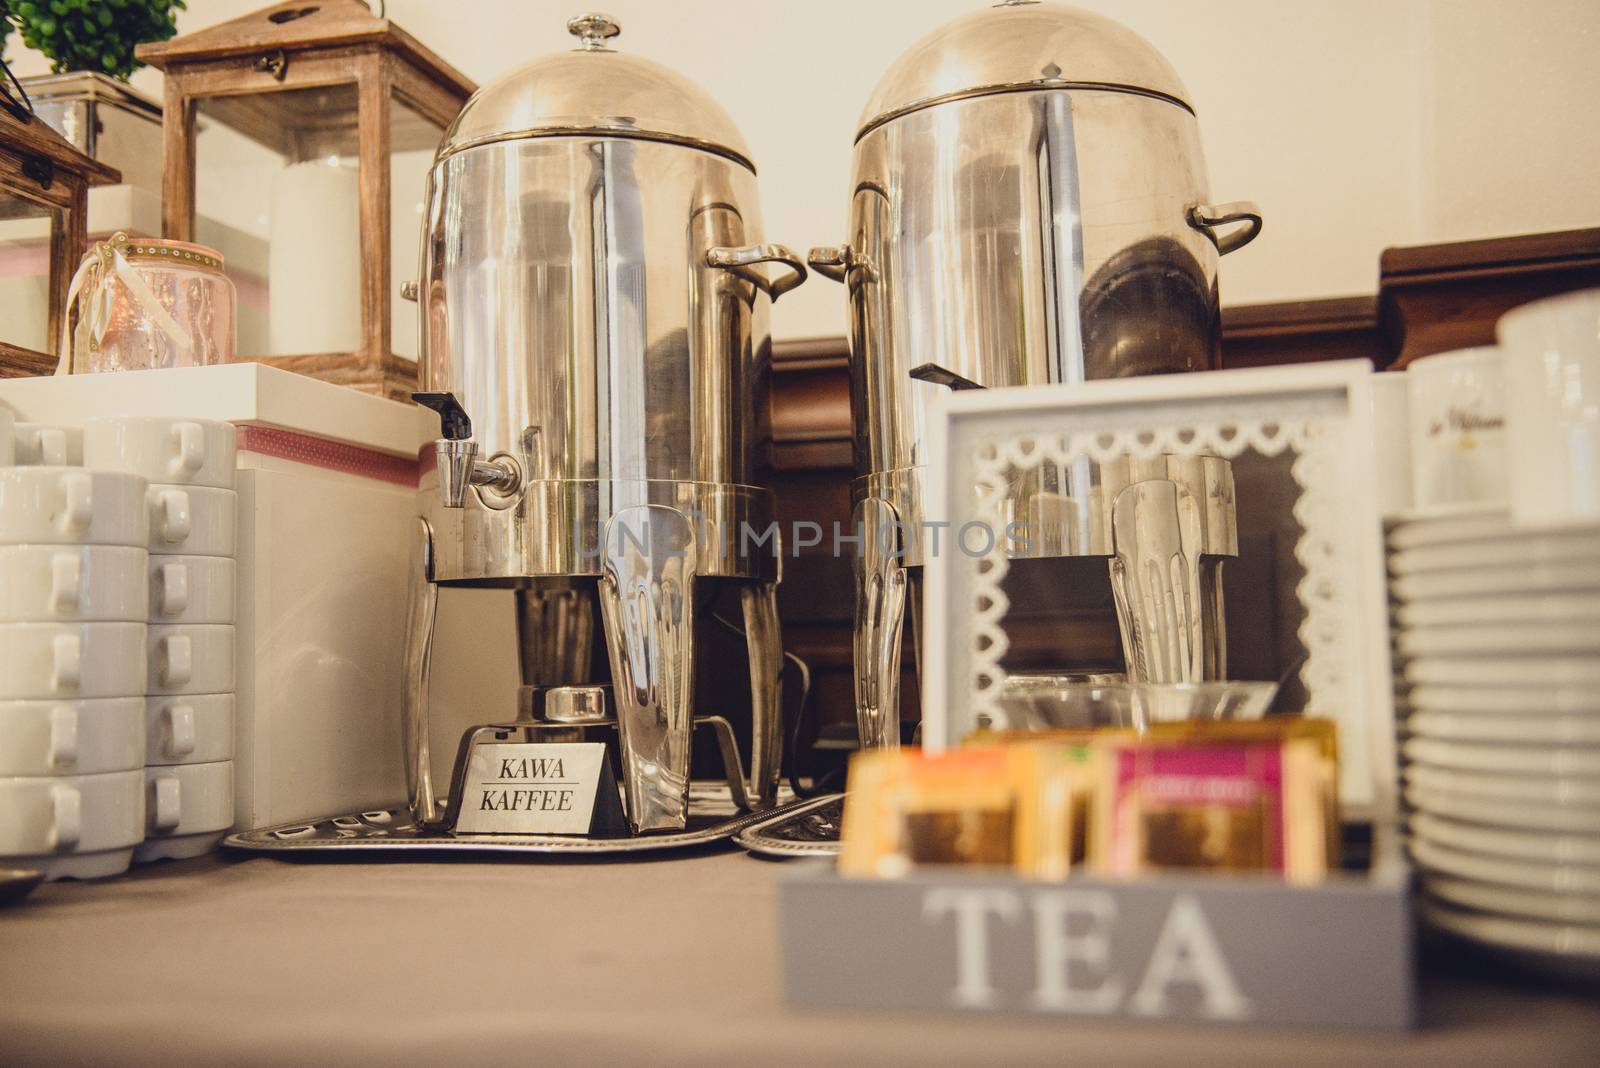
<point x="905" y="808"/>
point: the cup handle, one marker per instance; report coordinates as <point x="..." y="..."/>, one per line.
<point x="180" y="730"/>
<point x="67" y="652"/>
<point x="63" y="737"/>
<point x="66" y="583"/>
<point x="174" y="588"/>
<point x="166" y="811"/>
<point x="191" y="441"/>
<point x="175" y="660"/>
<point x="52" y="447"/>
<point x="66" y="824"/>
<point x="173" y="515"/>
<point x="78" y="490"/>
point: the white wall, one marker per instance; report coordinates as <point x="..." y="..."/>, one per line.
<point x="1356" y="124"/>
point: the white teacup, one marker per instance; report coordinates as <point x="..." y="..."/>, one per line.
<point x="44" y="661"/>
<point x="1458" y="436"/>
<point x="194" y="452"/>
<point x="193" y="729"/>
<point x="41" y="445"/>
<point x="1392" y="425"/>
<point x="192" y="589"/>
<point x="72" y="506"/>
<point x="71" y="813"/>
<point x="72" y="737"/>
<point x="73" y="583"/>
<point x="191" y="659"/>
<point x="193" y="519"/>
<point x="188" y="807"/>
<point x="8" y="444"/>
<point x="1553" y="409"/>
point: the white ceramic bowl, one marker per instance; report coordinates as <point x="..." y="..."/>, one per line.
<point x="1511" y="901"/>
<point x="1473" y="523"/>
<point x="1481" y="727"/>
<point x="195" y="452"/>
<point x="1529" y="759"/>
<point x="73" y="583"/>
<point x="1513" y="701"/>
<point x="1518" y="815"/>
<point x="1505" y="672"/>
<point x="191" y="659"/>
<point x="73" y="660"/>
<point x="1580" y="849"/>
<point x="41" y="445"/>
<point x="72" y="737"/>
<point x="189" y="799"/>
<point x="71" y="813"/>
<point x="189" y="729"/>
<point x="1541" y="638"/>
<point x="1550" y="792"/>
<point x="1518" y="579"/>
<point x="72" y="506"/>
<point x="194" y="520"/>
<point x="1532" y="875"/>
<point x="1579" y="546"/>
<point x="192" y="589"/>
<point x="1577" y="606"/>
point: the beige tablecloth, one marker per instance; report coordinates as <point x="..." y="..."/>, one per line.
<point x="260" y="961"/>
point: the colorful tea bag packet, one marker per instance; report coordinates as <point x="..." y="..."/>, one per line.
<point x="1020" y="807"/>
<point x="904" y="809"/>
<point x="1235" y="797"/>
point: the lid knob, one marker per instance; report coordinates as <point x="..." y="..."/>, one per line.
<point x="593" y="30"/>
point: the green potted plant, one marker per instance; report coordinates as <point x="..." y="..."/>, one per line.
<point x="92" y="35"/>
<point x="86" y="98"/>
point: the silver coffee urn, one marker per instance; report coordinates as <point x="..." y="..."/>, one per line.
<point x="594" y="299"/>
<point x="1029" y="206"/>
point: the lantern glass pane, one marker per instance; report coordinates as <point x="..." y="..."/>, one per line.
<point x="27" y="233"/>
<point x="413" y="140"/>
<point x="277" y="192"/>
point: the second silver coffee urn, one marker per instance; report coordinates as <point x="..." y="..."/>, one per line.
<point x="1029" y="206"/>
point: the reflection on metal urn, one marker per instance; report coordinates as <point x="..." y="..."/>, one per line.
<point x="594" y="307"/>
<point x="1029" y="206"/>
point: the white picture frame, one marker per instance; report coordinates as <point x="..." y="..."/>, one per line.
<point x="1322" y="412"/>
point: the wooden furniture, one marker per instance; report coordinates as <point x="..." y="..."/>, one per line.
<point x="44" y="189"/>
<point x="325" y="82"/>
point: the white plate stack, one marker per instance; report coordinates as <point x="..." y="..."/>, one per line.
<point x="73" y="602"/>
<point x="192" y="540"/>
<point x="1497" y="634"/>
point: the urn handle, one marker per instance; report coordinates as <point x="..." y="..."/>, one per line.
<point x="742" y="263"/>
<point x="831" y="261"/>
<point x="1207" y="217"/>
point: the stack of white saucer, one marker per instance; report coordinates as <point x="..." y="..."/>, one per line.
<point x="73" y="601"/>
<point x="192" y="536"/>
<point x="1497" y="635"/>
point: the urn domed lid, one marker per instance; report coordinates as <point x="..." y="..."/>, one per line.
<point x="594" y="89"/>
<point x="1019" y="45"/>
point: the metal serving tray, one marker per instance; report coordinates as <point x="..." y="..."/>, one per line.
<point x="807" y="829"/>
<point x="713" y="817"/>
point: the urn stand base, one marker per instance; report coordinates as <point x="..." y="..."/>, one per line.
<point x="713" y="818"/>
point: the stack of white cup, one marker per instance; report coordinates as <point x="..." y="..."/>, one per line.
<point x="73" y="600"/>
<point x="192" y="537"/>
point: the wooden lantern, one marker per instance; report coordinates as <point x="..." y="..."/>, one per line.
<point x="44" y="191"/>
<point x="297" y="141"/>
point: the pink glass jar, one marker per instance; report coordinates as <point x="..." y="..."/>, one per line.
<point x="148" y="303"/>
